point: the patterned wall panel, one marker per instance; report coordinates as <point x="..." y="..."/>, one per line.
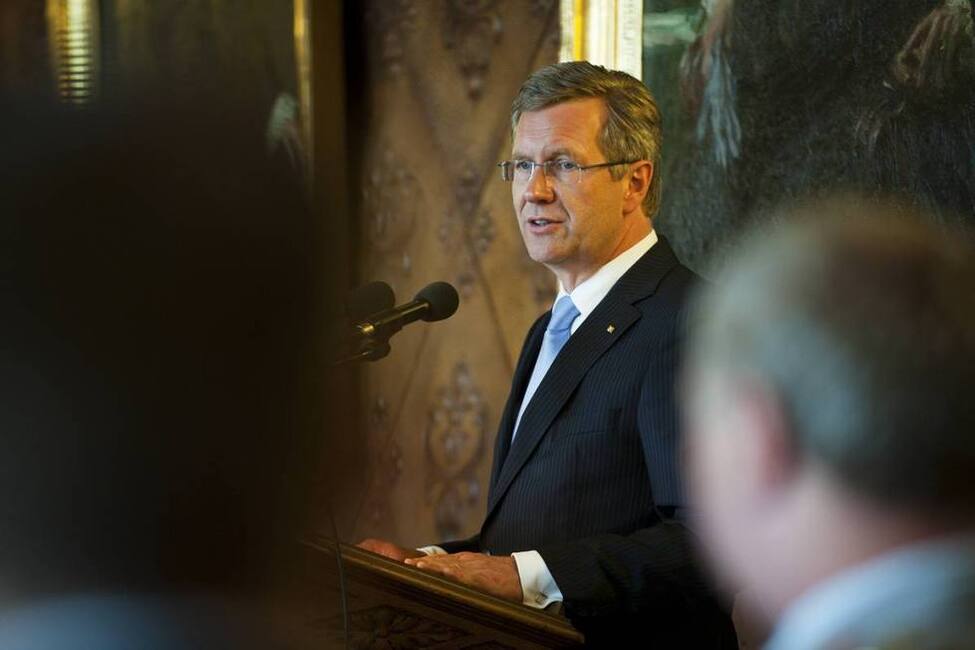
<point x="439" y="80"/>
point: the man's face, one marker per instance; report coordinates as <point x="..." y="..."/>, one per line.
<point x="719" y="475"/>
<point x="571" y="227"/>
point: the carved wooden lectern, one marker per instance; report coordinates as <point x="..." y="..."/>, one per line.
<point x="392" y="605"/>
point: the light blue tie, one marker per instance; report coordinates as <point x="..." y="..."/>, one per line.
<point x="558" y="332"/>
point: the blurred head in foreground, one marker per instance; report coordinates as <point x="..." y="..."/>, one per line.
<point x="157" y="317"/>
<point x="828" y="394"/>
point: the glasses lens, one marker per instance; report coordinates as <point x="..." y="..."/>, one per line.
<point x="564" y="171"/>
<point x="523" y="170"/>
<point x="507" y="171"/>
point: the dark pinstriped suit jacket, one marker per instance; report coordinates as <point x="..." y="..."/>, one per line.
<point x="592" y="479"/>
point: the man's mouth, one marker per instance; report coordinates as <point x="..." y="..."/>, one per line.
<point x="541" y="222"/>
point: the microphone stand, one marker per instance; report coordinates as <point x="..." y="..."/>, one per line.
<point x="370" y="348"/>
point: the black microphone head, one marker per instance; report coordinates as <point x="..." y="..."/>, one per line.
<point x="368" y="299"/>
<point x="442" y="298"/>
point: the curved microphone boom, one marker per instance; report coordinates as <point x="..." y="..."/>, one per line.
<point x="369" y="336"/>
<point x="434" y="302"/>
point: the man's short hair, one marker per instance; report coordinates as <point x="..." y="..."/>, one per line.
<point x="632" y="130"/>
<point x="861" y="318"/>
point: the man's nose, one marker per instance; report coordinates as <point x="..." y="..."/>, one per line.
<point x="538" y="189"/>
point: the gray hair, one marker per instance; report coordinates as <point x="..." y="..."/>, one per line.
<point x="864" y="325"/>
<point x="632" y="130"/>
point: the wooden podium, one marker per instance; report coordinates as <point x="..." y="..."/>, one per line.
<point x="392" y="605"/>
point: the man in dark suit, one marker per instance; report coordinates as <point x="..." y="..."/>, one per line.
<point x="829" y="383"/>
<point x="585" y="503"/>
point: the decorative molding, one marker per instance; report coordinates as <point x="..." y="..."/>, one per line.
<point x="608" y="33"/>
<point x="455" y="445"/>
<point x="387" y="628"/>
<point x="391" y="199"/>
<point x="471" y="29"/>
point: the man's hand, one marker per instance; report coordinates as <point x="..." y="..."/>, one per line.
<point x="497" y="575"/>
<point x="388" y="549"/>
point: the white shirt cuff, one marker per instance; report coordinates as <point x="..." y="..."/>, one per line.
<point x="537" y="584"/>
<point x="432" y="550"/>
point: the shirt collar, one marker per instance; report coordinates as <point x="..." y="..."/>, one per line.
<point x="895" y="590"/>
<point x="588" y="294"/>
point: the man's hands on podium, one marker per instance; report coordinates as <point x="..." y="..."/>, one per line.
<point x="494" y="574"/>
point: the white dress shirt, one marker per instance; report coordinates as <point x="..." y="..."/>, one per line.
<point x="906" y="591"/>
<point x="537" y="584"/>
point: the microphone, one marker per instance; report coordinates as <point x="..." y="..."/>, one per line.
<point x="369" y="299"/>
<point x="434" y="302"/>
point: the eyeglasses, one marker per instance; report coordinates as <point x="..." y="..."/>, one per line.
<point x="562" y="170"/>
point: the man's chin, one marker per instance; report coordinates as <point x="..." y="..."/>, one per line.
<point x="549" y="263"/>
<point x="547" y="255"/>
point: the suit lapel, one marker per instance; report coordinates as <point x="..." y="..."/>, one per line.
<point x="523" y="372"/>
<point x="583" y="348"/>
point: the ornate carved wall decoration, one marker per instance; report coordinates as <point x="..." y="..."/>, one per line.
<point x="467" y="226"/>
<point x="386" y="463"/>
<point x="454" y="445"/>
<point x="482" y="231"/>
<point x="467" y="192"/>
<point x="471" y="29"/>
<point x="390" y="23"/>
<point x="466" y="278"/>
<point x="388" y="628"/>
<point x="387" y="467"/>
<point x="391" y="199"/>
<point x="432" y="208"/>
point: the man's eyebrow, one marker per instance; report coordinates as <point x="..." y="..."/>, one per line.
<point x="561" y="151"/>
<point x="551" y="153"/>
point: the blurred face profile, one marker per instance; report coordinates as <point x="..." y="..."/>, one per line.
<point x="720" y="471"/>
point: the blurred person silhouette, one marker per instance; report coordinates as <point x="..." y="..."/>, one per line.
<point x="830" y="420"/>
<point x="160" y="413"/>
<point x="795" y="99"/>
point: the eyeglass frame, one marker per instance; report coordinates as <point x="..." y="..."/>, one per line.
<point x="548" y="164"/>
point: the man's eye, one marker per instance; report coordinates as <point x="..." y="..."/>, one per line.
<point x="523" y="166"/>
<point x="566" y="165"/>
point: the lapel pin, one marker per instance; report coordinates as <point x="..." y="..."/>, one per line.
<point x="611" y="329"/>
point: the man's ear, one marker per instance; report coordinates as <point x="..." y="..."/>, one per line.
<point x="765" y="428"/>
<point x="638" y="184"/>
